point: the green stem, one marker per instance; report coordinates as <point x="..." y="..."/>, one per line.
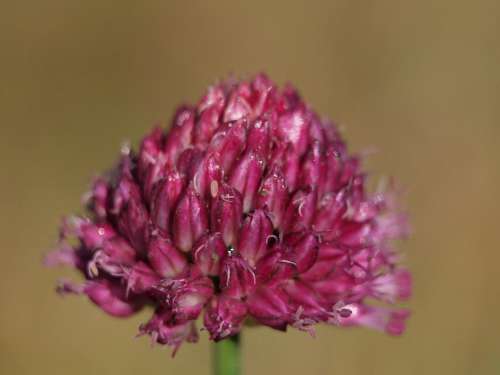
<point x="226" y="356"/>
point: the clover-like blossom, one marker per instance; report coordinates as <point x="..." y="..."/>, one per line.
<point x="248" y="207"/>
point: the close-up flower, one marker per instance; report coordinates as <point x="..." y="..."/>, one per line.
<point x="248" y="209"/>
<point x="249" y="187"/>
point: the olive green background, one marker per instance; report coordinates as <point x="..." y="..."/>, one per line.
<point x="418" y="81"/>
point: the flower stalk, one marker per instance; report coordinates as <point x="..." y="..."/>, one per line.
<point x="226" y="356"/>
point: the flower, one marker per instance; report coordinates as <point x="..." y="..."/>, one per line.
<point x="248" y="208"/>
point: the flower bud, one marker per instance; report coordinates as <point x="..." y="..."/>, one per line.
<point x="332" y="170"/>
<point x="293" y="128"/>
<point x="141" y="278"/>
<point x="302" y="294"/>
<point x="273" y="196"/>
<point x="165" y="196"/>
<point x="300" y="211"/>
<point x="331" y="209"/>
<point x="180" y="136"/>
<point x="312" y="168"/>
<point x="208" y="254"/>
<point x="285" y="159"/>
<point x="226" y="213"/>
<point x="237" y="108"/>
<point x="303" y="250"/>
<point x="186" y="297"/>
<point x="246" y="178"/>
<point x="213" y="98"/>
<point x="265" y="95"/>
<point x="273" y="268"/>
<point x="237" y="279"/>
<point x="228" y="143"/>
<point x="270" y="306"/>
<point x="208" y="177"/>
<point x="254" y="235"/>
<point x="98" y="199"/>
<point x="259" y="138"/>
<point x="113" y="257"/>
<point x="188" y="163"/>
<point x="206" y="125"/>
<point x="151" y="165"/>
<point x="111" y="298"/>
<point x="131" y="214"/>
<point x="224" y="317"/>
<point x="165" y="259"/>
<point x="190" y="221"/>
<point x="325" y="264"/>
<point x="163" y="330"/>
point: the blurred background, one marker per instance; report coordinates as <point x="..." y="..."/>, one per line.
<point x="419" y="81"/>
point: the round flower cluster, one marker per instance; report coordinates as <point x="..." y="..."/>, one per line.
<point x="248" y="207"/>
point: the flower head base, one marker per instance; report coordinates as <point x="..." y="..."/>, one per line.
<point x="249" y="206"/>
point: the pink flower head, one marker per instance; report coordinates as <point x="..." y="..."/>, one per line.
<point x="248" y="207"/>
